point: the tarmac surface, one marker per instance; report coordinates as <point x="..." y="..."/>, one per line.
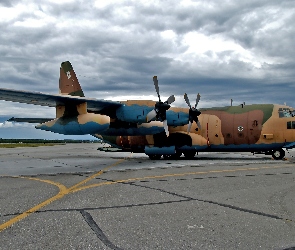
<point x="76" y="197"/>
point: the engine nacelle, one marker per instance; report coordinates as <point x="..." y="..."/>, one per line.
<point x="134" y="113"/>
<point x="176" y="119"/>
<point x="138" y="114"/>
<point x="77" y="125"/>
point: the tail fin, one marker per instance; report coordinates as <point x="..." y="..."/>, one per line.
<point x="69" y="85"/>
<point x="68" y="81"/>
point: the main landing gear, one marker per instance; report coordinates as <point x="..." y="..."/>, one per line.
<point x="189" y="154"/>
<point x="155" y="157"/>
<point x="278" y="154"/>
<point x="176" y="156"/>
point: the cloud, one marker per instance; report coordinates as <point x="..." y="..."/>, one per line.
<point x="240" y="49"/>
<point x="10" y="109"/>
<point x="14" y="125"/>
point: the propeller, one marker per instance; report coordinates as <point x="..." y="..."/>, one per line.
<point x="193" y="112"/>
<point x="160" y="107"/>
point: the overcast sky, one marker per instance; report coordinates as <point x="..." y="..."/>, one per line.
<point x="242" y="50"/>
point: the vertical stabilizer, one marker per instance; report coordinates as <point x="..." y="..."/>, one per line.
<point x="69" y="85"/>
<point x="68" y="81"/>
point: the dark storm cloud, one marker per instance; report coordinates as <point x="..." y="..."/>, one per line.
<point x="8" y="3"/>
<point x="119" y="47"/>
<point x="221" y="49"/>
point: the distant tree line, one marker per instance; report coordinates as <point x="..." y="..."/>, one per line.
<point x="46" y="141"/>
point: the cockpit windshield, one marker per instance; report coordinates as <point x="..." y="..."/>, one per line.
<point x="286" y="112"/>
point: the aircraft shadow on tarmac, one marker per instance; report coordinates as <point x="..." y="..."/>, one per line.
<point x="205" y="158"/>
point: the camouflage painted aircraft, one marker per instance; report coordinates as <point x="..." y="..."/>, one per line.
<point x="158" y="129"/>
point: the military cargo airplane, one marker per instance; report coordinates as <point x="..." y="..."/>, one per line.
<point x="156" y="128"/>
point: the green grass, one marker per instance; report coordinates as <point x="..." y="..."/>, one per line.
<point x="23" y="145"/>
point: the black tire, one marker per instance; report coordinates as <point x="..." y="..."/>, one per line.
<point x="155" y="157"/>
<point x="167" y="157"/>
<point x="278" y="154"/>
<point x="189" y="154"/>
<point x="177" y="155"/>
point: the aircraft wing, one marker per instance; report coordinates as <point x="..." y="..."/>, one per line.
<point x="49" y="100"/>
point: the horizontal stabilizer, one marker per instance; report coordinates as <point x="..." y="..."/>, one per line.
<point x="30" y="120"/>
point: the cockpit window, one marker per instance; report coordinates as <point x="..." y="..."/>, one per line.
<point x="291" y="125"/>
<point x="285" y="112"/>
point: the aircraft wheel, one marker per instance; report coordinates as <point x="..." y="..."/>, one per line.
<point x="155" y="157"/>
<point x="278" y="154"/>
<point x="189" y="154"/>
<point x="167" y="157"/>
<point x="177" y="155"/>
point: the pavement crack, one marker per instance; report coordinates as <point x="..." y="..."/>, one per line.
<point x="216" y="203"/>
<point x="159" y="189"/>
<point x="244" y="210"/>
<point x="104" y="239"/>
<point x="96" y="229"/>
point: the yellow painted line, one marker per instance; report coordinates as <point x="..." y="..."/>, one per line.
<point x="30" y="211"/>
<point x="62" y="192"/>
<point x="174" y="175"/>
<point x="94" y="185"/>
<point x="254" y="168"/>
<point x="95" y="175"/>
<point x="59" y="185"/>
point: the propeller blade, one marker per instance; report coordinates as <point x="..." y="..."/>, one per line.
<point x="187" y="100"/>
<point x="189" y="126"/>
<point x="198" y="99"/>
<point x="193" y="112"/>
<point x="151" y="115"/>
<point x="165" y="124"/>
<point x="157" y="87"/>
<point x="171" y="99"/>
<point x="199" y="124"/>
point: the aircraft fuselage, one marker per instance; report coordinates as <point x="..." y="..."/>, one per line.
<point x="254" y="128"/>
